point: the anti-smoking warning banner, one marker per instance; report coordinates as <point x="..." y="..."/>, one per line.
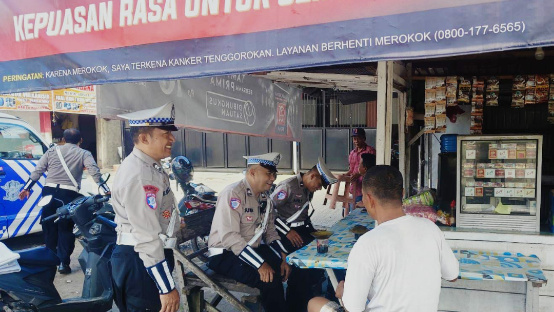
<point x="52" y="44"/>
<point x="240" y="104"/>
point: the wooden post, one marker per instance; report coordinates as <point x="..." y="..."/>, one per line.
<point x="196" y="297"/>
<point x="402" y="134"/>
<point x="408" y="151"/>
<point x="389" y="109"/>
<point x="384" y="112"/>
<point x="180" y="285"/>
<point x="380" y="145"/>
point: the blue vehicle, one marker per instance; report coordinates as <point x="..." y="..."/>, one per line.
<point x="21" y="147"/>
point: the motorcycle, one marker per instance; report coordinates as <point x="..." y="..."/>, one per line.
<point x="32" y="289"/>
<point x="197" y="196"/>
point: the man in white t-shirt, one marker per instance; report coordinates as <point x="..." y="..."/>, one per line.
<point x="397" y="266"/>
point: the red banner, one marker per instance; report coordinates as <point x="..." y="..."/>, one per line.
<point x="33" y="28"/>
<point x="53" y="44"/>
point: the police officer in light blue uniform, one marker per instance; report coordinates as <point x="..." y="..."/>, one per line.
<point x="146" y="217"/>
<point x="292" y="200"/>
<point x="64" y="164"/>
<point x="243" y="242"/>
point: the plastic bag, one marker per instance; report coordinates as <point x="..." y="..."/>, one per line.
<point x="425" y="198"/>
<point x="427" y="212"/>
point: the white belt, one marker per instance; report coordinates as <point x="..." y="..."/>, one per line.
<point x="297" y="224"/>
<point x="129" y="240"/>
<point x="214" y="251"/>
<point x="65" y="187"/>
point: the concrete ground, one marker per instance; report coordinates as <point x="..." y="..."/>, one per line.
<point x="70" y="285"/>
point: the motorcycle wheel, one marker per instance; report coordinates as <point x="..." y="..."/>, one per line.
<point x="10" y="305"/>
<point x="200" y="241"/>
<point x="197" y="244"/>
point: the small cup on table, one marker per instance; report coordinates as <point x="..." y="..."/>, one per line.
<point x="322" y="245"/>
<point x="322" y="240"/>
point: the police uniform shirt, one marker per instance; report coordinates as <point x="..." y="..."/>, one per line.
<point x="144" y="203"/>
<point x="289" y="197"/>
<point x="237" y="216"/>
<point x="75" y="157"/>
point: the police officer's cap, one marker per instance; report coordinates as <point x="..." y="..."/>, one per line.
<point x="327" y="176"/>
<point x="162" y="117"/>
<point x="268" y="161"/>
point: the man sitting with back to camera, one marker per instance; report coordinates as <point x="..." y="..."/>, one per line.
<point x="292" y="199"/>
<point x="397" y="266"/>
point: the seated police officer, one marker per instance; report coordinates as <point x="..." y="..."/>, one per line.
<point x="292" y="200"/>
<point x="146" y="217"/>
<point x="243" y="242"/>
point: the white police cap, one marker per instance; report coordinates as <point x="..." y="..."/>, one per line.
<point x="327" y="176"/>
<point x="161" y="117"/>
<point x="268" y="161"/>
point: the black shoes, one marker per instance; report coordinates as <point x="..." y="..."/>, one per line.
<point x="64" y="269"/>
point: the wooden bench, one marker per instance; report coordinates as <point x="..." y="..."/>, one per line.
<point x="193" y="274"/>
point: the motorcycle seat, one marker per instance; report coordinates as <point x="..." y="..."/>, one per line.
<point x="38" y="256"/>
<point x="202" y="189"/>
<point x="209" y="200"/>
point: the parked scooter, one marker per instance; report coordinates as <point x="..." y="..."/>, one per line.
<point x="32" y="289"/>
<point x="197" y="197"/>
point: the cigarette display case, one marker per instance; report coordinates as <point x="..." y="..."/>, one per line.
<point x="499" y="182"/>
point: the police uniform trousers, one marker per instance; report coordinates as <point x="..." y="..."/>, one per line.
<point x="303" y="284"/>
<point x="134" y="289"/>
<point x="58" y="236"/>
<point x="228" y="264"/>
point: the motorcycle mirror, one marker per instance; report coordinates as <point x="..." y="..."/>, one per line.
<point x="105" y="177"/>
<point x="44" y="201"/>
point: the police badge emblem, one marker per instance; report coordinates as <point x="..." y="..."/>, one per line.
<point x="151" y="191"/>
<point x="12" y="189"/>
<point x="281" y="195"/>
<point x="234" y="203"/>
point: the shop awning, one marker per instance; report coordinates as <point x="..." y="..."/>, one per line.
<point x="53" y="44"/>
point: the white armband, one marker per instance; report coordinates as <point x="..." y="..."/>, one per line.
<point x="162" y="277"/>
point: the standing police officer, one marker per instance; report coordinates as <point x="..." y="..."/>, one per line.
<point x="64" y="164"/>
<point x="292" y="199"/>
<point x="146" y="217"/>
<point x="243" y="217"/>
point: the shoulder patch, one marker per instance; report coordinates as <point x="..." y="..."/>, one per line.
<point x="151" y="191"/>
<point x="281" y="195"/>
<point x="234" y="203"/>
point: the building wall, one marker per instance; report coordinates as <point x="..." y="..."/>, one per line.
<point x="108" y="136"/>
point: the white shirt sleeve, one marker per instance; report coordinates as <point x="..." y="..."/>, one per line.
<point x="362" y="265"/>
<point x="450" y="267"/>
